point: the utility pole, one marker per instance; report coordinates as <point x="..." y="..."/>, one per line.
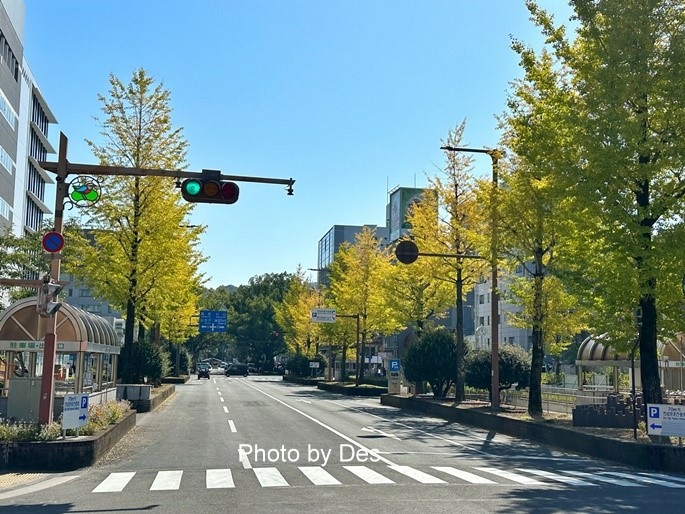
<point x="63" y="168"/>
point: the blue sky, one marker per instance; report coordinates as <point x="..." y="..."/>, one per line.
<point x="349" y="98"/>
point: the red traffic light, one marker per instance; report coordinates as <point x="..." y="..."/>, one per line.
<point x="209" y="191"/>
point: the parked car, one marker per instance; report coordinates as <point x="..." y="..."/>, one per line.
<point x="203" y="370"/>
<point x="237" y="369"/>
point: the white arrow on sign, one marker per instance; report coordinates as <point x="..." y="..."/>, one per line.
<point x="375" y="430"/>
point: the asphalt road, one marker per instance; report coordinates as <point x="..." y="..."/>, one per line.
<point x="258" y="444"/>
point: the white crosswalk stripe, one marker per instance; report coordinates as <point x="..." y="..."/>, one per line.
<point x="557" y="478"/>
<point x="219" y="479"/>
<point x="601" y="478"/>
<point x="514" y="477"/>
<point x="169" y="480"/>
<point x="419" y="476"/>
<point x="368" y="475"/>
<point x="464" y="475"/>
<point x="270" y="477"/>
<point x="645" y="480"/>
<point x="319" y="476"/>
<point x="115" y="482"/>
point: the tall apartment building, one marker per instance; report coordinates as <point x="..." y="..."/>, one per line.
<point x="24" y="122"/>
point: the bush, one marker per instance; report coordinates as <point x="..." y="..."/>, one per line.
<point x="102" y="415"/>
<point x="298" y="364"/>
<point x="151" y="361"/>
<point x="514" y="367"/>
<point x="432" y="358"/>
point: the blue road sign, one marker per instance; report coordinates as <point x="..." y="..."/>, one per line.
<point x="394" y="364"/>
<point x="213" y="321"/>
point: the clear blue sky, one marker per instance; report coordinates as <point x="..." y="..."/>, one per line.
<point x="350" y="98"/>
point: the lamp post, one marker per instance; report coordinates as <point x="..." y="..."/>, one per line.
<point x="495" y="155"/>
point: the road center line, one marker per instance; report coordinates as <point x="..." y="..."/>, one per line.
<point x="232" y="426"/>
<point x="322" y="424"/>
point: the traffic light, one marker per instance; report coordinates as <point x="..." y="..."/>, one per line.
<point x="200" y="190"/>
<point x="48" y="292"/>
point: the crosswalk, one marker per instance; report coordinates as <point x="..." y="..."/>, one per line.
<point x="268" y="477"/>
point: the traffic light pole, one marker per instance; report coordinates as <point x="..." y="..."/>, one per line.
<point x="63" y="168"/>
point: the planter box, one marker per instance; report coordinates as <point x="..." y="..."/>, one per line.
<point x="64" y="454"/>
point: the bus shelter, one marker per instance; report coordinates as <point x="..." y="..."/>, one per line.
<point x="595" y="352"/>
<point x="87" y="349"/>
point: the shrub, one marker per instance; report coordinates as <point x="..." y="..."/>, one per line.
<point x="298" y="364"/>
<point x="514" y="367"/>
<point x="432" y="358"/>
<point x="99" y="417"/>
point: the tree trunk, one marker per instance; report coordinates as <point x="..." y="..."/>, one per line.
<point x="649" y="363"/>
<point x="459" y="387"/>
<point x="538" y="354"/>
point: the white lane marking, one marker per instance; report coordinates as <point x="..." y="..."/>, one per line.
<point x="114" y="483"/>
<point x="557" y="478"/>
<point x="322" y="424"/>
<point x="514" y="477"/>
<point x="319" y="476"/>
<point x="219" y="479"/>
<point x="464" y="475"/>
<point x="303" y="401"/>
<point x="219" y="393"/>
<point x="417" y="475"/>
<point x="167" y="481"/>
<point x="645" y="480"/>
<point x="368" y="475"/>
<point x="242" y="457"/>
<point x="270" y="477"/>
<point x="232" y="426"/>
<point x="37" y="487"/>
<point x="222" y="399"/>
<point x="225" y="409"/>
<point x="380" y="432"/>
<point x="600" y="478"/>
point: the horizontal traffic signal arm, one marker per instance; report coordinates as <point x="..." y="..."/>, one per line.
<point x="93" y="169"/>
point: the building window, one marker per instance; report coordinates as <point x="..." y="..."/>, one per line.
<point x="4" y="209"/>
<point x="85" y="293"/>
<point x="481" y="299"/>
<point x="481" y="321"/>
<point x="8" y="112"/>
<point x="6" y="161"/>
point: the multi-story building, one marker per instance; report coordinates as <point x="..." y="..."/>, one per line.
<point x="24" y="122"/>
<point x="482" y="313"/>
<point x="330" y="243"/>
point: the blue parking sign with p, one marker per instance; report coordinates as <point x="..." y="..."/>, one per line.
<point x="653" y="412"/>
<point x="394" y="365"/>
<point x="84" y="402"/>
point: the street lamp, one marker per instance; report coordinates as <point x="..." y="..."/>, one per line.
<point x="495" y="155"/>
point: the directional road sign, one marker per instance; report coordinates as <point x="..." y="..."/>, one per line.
<point x="664" y="419"/>
<point x="213" y="321"/>
<point x="75" y="410"/>
<point x="322" y="316"/>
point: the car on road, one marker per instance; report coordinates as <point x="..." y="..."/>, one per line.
<point x="203" y="370"/>
<point x="237" y="369"/>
